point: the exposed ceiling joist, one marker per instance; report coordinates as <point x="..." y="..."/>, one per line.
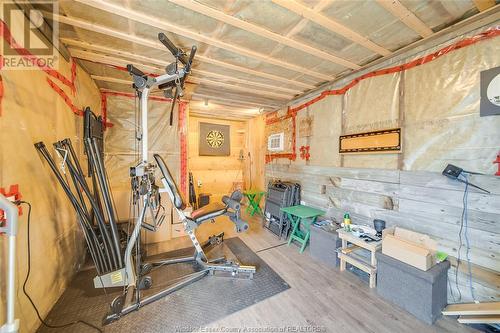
<point x="301" y="25"/>
<point x="303" y="22"/>
<point x="157" y="45"/>
<point x="215" y="109"/>
<point x="239" y="88"/>
<point x="212" y="106"/>
<point x="247" y="82"/>
<point x="220" y="111"/>
<point x="43" y="31"/>
<point x="222" y="116"/>
<point x="132" y="57"/>
<point x="406" y="16"/>
<point x="113" y="61"/>
<point x="220" y="25"/>
<point x="258" y="30"/>
<point x="200" y="97"/>
<point x="105" y="59"/>
<point x="120" y="10"/>
<point x="232" y="101"/>
<point x="111" y="80"/>
<point x="477" y="21"/>
<point x="331" y="25"/>
<point x="482" y="5"/>
<point x="106" y="50"/>
<point x="254" y="72"/>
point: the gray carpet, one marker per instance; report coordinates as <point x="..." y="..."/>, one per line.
<point x="194" y="306"/>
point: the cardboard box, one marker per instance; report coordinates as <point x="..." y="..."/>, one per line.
<point x="410" y="247"/>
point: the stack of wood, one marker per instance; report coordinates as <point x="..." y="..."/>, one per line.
<point x="475" y="313"/>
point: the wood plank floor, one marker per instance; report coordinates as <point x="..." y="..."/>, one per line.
<point x="320" y="298"/>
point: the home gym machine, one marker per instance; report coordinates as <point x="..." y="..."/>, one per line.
<point x="120" y="263"/>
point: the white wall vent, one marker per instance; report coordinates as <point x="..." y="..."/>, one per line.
<point x="275" y="142"/>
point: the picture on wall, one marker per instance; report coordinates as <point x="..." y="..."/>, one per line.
<point x="384" y="141"/>
<point x="214" y="140"/>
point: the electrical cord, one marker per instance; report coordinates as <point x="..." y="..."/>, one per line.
<point x="459" y="250"/>
<point x="467" y="242"/>
<point x="27" y="278"/>
<point x="271" y="247"/>
<point x="464" y="225"/>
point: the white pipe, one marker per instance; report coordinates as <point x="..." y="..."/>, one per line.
<point x="129" y="265"/>
<point x="144" y="124"/>
<point x="11" y="279"/>
<point x="12" y="324"/>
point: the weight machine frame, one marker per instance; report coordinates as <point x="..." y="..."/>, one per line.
<point x="118" y="268"/>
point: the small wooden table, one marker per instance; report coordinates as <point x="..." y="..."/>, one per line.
<point x="347" y="254"/>
<point x="254" y="197"/>
<point x="305" y="215"/>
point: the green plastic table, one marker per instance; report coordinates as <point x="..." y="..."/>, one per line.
<point x="305" y="215"/>
<point x="254" y="197"/>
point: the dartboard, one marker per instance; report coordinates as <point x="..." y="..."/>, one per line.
<point x="215" y="139"/>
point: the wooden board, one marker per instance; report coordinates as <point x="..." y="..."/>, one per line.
<point x="491" y="308"/>
<point x="305" y="126"/>
<point x="479" y="319"/>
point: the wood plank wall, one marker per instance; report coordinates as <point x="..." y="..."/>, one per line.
<point x="255" y="156"/>
<point x="216" y="173"/>
<point x="423" y="201"/>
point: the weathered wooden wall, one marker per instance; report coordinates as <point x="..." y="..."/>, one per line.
<point x="255" y="156"/>
<point x="437" y="107"/>
<point x="422" y="201"/>
<point x="216" y="173"/>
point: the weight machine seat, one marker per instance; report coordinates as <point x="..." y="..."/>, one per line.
<point x="208" y="212"/>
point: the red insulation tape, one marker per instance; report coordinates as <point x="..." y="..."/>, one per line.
<point x="183" y="143"/>
<point x="7" y="36"/>
<point x="65" y="97"/>
<point x="1" y="94"/>
<point x="273" y="117"/>
<point x="104" y="110"/>
<point x="490" y="33"/>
